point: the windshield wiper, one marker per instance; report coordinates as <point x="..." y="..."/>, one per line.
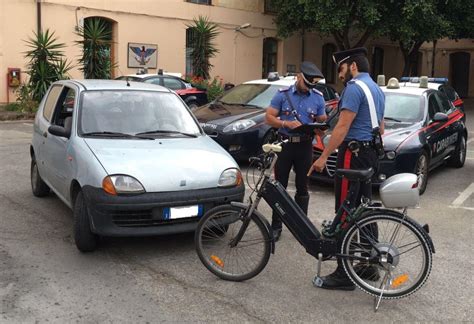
<point x="393" y="119"/>
<point x="237" y="104"/>
<point x="117" y="134"/>
<point x="166" y="132"/>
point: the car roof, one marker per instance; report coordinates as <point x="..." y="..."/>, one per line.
<point x="148" y="75"/>
<point x="406" y="90"/>
<point x="283" y="81"/>
<point x="95" y="84"/>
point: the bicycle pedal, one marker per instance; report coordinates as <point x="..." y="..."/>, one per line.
<point x="318" y="281"/>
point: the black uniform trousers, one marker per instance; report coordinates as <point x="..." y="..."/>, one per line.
<point x="300" y="156"/>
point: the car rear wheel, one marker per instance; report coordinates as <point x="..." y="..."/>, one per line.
<point x="85" y="240"/>
<point x="459" y="156"/>
<point x="193" y="105"/>
<point x="38" y="186"/>
<point x="421" y="171"/>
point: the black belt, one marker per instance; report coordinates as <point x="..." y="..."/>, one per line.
<point x="295" y="138"/>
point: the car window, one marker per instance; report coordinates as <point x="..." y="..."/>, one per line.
<point x="65" y="107"/>
<point x="443" y="102"/>
<point x="134" y="112"/>
<point x="404" y="107"/>
<point x="433" y="106"/>
<point x="129" y="78"/>
<point x="173" y="84"/>
<point x="252" y="94"/>
<point x="324" y="91"/>
<point x="51" y="102"/>
<point x="157" y="81"/>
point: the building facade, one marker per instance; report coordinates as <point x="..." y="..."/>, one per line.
<point x="247" y="42"/>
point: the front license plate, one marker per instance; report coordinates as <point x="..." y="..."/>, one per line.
<point x="183" y="212"/>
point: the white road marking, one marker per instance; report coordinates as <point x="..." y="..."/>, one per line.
<point x="461" y="207"/>
<point x="28" y="124"/>
<point x="463" y="196"/>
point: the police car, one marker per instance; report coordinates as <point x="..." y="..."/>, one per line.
<point x="192" y="96"/>
<point x="236" y="120"/>
<point x="423" y="130"/>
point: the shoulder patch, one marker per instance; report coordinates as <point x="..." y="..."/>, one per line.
<point x="318" y="92"/>
<point x="283" y="89"/>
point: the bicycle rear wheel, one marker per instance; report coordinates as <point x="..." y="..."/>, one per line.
<point x="405" y="260"/>
<point x="213" y="238"/>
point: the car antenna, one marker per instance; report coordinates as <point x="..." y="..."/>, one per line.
<point x="128" y="83"/>
<point x="126" y="78"/>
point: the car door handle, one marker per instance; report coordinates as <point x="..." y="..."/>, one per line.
<point x="45" y="134"/>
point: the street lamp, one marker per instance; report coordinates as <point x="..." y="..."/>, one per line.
<point x="243" y="26"/>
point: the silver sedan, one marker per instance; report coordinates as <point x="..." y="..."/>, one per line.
<point x="128" y="158"/>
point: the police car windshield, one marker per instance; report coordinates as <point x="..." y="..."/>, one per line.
<point x="403" y="107"/>
<point x="252" y="95"/>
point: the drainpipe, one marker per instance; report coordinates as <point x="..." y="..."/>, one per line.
<point x="38" y="16"/>
<point x="302" y="45"/>
<point x="433" y="58"/>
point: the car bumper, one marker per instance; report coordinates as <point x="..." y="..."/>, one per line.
<point x="241" y="145"/>
<point x="146" y="214"/>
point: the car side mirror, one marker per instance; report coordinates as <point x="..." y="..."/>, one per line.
<point x="440" y="117"/>
<point x="59" y="131"/>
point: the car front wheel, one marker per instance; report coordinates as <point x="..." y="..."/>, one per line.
<point x="193" y="105"/>
<point x="421" y="171"/>
<point x="38" y="186"/>
<point x="85" y="240"/>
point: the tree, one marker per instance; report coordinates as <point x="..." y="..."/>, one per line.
<point x="96" y="41"/>
<point x="46" y="63"/>
<point x="203" y="49"/>
<point x="351" y="23"/>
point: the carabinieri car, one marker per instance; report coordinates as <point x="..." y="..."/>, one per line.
<point x="423" y="130"/>
<point x="128" y="158"/>
<point x="236" y="120"/>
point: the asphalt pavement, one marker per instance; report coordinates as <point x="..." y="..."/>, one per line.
<point x="44" y="278"/>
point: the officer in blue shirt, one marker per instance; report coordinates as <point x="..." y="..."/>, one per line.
<point x="354" y="137"/>
<point x="291" y="107"/>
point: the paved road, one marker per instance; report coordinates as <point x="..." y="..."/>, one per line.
<point x="44" y="278"/>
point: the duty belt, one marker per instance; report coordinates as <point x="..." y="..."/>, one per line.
<point x="295" y="138"/>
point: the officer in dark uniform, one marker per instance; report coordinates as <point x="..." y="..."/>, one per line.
<point x="354" y="137"/>
<point x="291" y="107"/>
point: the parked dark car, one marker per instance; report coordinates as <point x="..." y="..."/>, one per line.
<point x="423" y="130"/>
<point x="236" y="120"/>
<point x="192" y="96"/>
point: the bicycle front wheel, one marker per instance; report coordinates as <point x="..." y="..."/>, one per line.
<point x="214" y="236"/>
<point x="400" y="256"/>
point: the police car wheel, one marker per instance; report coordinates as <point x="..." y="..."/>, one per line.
<point x="459" y="156"/>
<point x="193" y="105"/>
<point x="421" y="171"/>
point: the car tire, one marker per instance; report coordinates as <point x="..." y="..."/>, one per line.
<point x="459" y="156"/>
<point x="85" y="240"/>
<point x="38" y="186"/>
<point x="421" y="171"/>
<point x="270" y="137"/>
<point x="193" y="105"/>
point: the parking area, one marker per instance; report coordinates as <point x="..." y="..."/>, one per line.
<point x="43" y="277"/>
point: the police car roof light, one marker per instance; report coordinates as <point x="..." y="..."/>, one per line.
<point x="393" y="84"/>
<point x="417" y="80"/>
<point x="273" y="76"/>
<point x="381" y="80"/>
<point x="424" y="82"/>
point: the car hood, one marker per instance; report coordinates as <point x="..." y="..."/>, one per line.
<point x="222" y="115"/>
<point x="164" y="164"/>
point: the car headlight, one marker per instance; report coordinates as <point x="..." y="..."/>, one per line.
<point x="230" y="177"/>
<point x="391" y="155"/>
<point x="239" y="125"/>
<point x="122" y="184"/>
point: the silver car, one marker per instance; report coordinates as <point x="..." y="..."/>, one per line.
<point x="128" y="158"/>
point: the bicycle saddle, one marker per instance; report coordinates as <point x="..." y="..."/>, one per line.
<point x="360" y="175"/>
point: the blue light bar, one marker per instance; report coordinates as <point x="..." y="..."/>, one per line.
<point x="417" y="80"/>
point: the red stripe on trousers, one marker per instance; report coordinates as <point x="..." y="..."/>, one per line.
<point x="345" y="182"/>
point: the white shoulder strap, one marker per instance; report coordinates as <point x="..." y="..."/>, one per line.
<point x="370" y="100"/>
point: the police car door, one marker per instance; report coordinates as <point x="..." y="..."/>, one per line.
<point x="452" y="127"/>
<point x="436" y="133"/>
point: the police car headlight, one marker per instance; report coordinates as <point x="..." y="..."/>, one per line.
<point x="239" y="125"/>
<point x="230" y="177"/>
<point x="391" y="155"/>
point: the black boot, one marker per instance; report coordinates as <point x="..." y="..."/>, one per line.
<point x="337" y="280"/>
<point x="303" y="202"/>
<point x="276" y="227"/>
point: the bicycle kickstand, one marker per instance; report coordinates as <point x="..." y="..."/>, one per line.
<point x="378" y="299"/>
<point x="318" y="281"/>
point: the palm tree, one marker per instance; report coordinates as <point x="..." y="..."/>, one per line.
<point x="203" y="48"/>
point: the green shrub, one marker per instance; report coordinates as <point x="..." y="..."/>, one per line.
<point x="214" y="87"/>
<point x="12" y="107"/>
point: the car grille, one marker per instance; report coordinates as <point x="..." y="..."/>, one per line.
<point x="330" y="163"/>
<point x="144" y="218"/>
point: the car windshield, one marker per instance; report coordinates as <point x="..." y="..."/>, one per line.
<point x="129" y="78"/>
<point x="135" y="112"/>
<point x="258" y="95"/>
<point x="401" y="107"/>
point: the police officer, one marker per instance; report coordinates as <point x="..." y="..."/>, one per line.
<point x="291" y="107"/>
<point x="354" y="136"/>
